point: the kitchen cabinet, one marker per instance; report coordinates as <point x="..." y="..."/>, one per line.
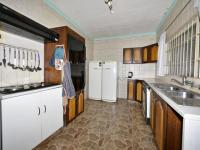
<point x="71" y="109"/>
<point x="52" y="117"/>
<point x="139" y="90"/>
<point x="166" y="124"/>
<point x="51" y="75"/>
<point x="160" y="123"/>
<point x="127" y="55"/>
<point x="25" y="120"/>
<point x="131" y="90"/>
<point x="174" y="130"/>
<point x="137" y="55"/>
<point x="147" y="54"/>
<point x="80" y="103"/>
<point x="134" y="91"/>
<point x="150" y="53"/>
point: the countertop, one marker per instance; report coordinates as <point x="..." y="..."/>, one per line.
<point x="187" y="112"/>
<point x="6" y="96"/>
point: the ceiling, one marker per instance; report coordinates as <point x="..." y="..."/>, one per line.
<point x="93" y="18"/>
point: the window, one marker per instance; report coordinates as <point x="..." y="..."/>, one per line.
<point x="183" y="52"/>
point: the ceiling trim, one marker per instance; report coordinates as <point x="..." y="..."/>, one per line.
<point x="125" y="36"/>
<point x="73" y="23"/>
<point x="166" y="14"/>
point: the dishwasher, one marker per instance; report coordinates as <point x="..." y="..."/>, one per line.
<point x="146" y="102"/>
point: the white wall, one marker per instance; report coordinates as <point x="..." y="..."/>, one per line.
<point x="41" y="13"/>
<point x="9" y="76"/>
<point x="112" y="49"/>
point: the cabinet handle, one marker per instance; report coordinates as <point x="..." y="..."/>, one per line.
<point x="45" y="108"/>
<point x="38" y="111"/>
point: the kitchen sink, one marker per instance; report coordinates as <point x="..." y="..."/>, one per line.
<point x="179" y="95"/>
<point x="167" y="87"/>
<point x="184" y="95"/>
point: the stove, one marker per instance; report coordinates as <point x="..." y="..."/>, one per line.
<point x="21" y="88"/>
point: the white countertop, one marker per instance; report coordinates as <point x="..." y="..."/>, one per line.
<point x="187" y="112"/>
<point x="6" y="96"/>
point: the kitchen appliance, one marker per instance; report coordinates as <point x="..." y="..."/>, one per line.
<point x="130" y="74"/>
<point x="103" y="81"/>
<point x="146" y="101"/>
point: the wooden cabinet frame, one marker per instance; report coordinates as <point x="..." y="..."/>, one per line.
<point x="147" y="53"/>
<point x="166" y="124"/>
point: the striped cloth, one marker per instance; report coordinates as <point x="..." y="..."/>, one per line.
<point x="68" y="87"/>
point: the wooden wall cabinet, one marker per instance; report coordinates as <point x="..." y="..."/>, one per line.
<point x="51" y="75"/>
<point x="147" y="54"/>
<point x="137" y="55"/>
<point x="150" y="53"/>
<point x="127" y="56"/>
<point x="134" y="91"/>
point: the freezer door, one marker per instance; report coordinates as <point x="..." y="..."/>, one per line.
<point x="95" y="73"/>
<point x="109" y="82"/>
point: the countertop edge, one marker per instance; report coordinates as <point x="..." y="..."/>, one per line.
<point x="7" y="96"/>
<point x="187" y="112"/>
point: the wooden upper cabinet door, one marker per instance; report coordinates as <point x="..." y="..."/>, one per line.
<point x="137" y="55"/>
<point x="160" y="125"/>
<point x="127" y="55"/>
<point x="145" y="55"/>
<point x="154" y="53"/>
<point x="174" y="130"/>
<point x="130" y="91"/>
<point x="139" y="91"/>
<point x="152" y="111"/>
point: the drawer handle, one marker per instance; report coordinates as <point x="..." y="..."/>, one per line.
<point x="38" y="111"/>
<point x="45" y="108"/>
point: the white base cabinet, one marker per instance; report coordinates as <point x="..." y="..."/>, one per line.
<point x="29" y="119"/>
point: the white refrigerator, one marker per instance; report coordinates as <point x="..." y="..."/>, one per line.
<point x="103" y="80"/>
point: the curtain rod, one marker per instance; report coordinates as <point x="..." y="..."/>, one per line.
<point x="178" y="15"/>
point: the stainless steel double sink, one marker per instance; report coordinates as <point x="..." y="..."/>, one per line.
<point x="179" y="95"/>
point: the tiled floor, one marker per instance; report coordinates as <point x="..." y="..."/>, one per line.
<point x="105" y="126"/>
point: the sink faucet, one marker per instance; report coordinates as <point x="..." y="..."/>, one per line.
<point x="174" y="80"/>
<point x="184" y="81"/>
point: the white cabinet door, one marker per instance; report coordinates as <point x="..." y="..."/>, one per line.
<point x="52" y="112"/>
<point x="21" y="122"/>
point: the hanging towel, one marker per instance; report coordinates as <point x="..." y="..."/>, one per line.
<point x="68" y="87"/>
<point x="57" y="54"/>
<point x="161" y="70"/>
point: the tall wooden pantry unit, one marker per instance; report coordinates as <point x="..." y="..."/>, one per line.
<point x="77" y="59"/>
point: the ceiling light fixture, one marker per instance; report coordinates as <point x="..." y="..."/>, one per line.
<point x="109" y="3"/>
